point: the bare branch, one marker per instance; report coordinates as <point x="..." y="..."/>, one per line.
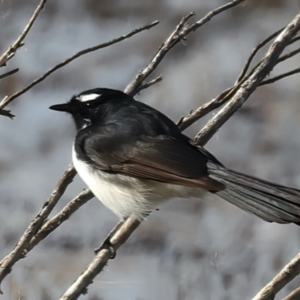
<point x="297" y="38"/>
<point x="11" y="51"/>
<point x="9" y="73"/>
<point x="149" y="83"/>
<point x="288" y="55"/>
<point x="22" y="246"/>
<point x="7" y="100"/>
<point x="6" y="113"/>
<point x="50" y="225"/>
<point x="294" y="295"/>
<point x="99" y="262"/>
<point x="288" y="273"/>
<point x="222" y="98"/>
<point x="203" y="110"/>
<point x="254" y="52"/>
<point x="180" y="33"/>
<point x="273" y="79"/>
<point x="248" y="87"/>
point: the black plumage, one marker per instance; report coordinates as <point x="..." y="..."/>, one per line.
<point x="118" y="135"/>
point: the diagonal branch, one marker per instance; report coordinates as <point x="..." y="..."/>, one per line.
<point x="287" y="274"/>
<point x="9" y="73"/>
<point x="7" y="99"/>
<point x="226" y="95"/>
<point x="180" y="33"/>
<point x="283" y="75"/>
<point x="11" y="51"/>
<point x="50" y="225"/>
<point x="294" y="295"/>
<point x="21" y="247"/>
<point x="254" y="52"/>
<point x="249" y="86"/>
<point x="100" y="260"/>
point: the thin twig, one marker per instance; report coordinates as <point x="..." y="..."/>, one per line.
<point x="50" y="225"/>
<point x="254" y="52"/>
<point x="180" y="33"/>
<point x="7" y="100"/>
<point x="288" y="273"/>
<point x="11" y="51"/>
<point x="295" y="39"/>
<point x="9" y="73"/>
<point x="149" y="83"/>
<point x="6" y="113"/>
<point x="248" y="87"/>
<point x="288" y="55"/>
<point x="203" y="110"/>
<point x="283" y="75"/>
<point x="222" y="98"/>
<point x="294" y="295"/>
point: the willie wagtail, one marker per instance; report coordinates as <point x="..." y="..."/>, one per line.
<point x="132" y="157"/>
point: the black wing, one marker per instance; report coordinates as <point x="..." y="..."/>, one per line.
<point x="161" y="158"/>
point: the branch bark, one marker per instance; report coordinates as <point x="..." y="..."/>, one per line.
<point x="22" y="246"/>
<point x="9" y="99"/>
<point x="248" y="87"/>
<point x="287" y="274"/>
<point x="12" y="49"/>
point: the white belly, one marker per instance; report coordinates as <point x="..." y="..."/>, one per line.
<point x="125" y="195"/>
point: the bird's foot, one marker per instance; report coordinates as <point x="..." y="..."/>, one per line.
<point x="108" y="246"/>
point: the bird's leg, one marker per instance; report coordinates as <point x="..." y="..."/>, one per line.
<point x="107" y="244"/>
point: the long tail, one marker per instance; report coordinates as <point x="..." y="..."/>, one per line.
<point x="269" y="201"/>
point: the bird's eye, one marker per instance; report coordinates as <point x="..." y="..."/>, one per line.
<point x="91" y="104"/>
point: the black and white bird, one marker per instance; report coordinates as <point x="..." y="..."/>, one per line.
<point x="132" y="157"/>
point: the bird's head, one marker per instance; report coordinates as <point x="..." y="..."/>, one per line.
<point x="88" y="106"/>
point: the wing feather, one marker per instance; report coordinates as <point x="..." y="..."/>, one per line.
<point x="161" y="158"/>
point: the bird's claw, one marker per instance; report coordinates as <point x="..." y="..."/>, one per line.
<point x="107" y="245"/>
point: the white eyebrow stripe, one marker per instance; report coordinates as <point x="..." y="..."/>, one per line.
<point x="89" y="97"/>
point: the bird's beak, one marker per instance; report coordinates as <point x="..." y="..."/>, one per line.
<point x="61" y="107"/>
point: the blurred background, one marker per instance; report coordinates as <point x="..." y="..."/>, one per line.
<point x="189" y="249"/>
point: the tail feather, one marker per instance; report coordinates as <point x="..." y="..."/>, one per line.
<point x="269" y="201"/>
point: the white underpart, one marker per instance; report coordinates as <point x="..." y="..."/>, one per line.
<point x="126" y="195"/>
<point x="88" y="97"/>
